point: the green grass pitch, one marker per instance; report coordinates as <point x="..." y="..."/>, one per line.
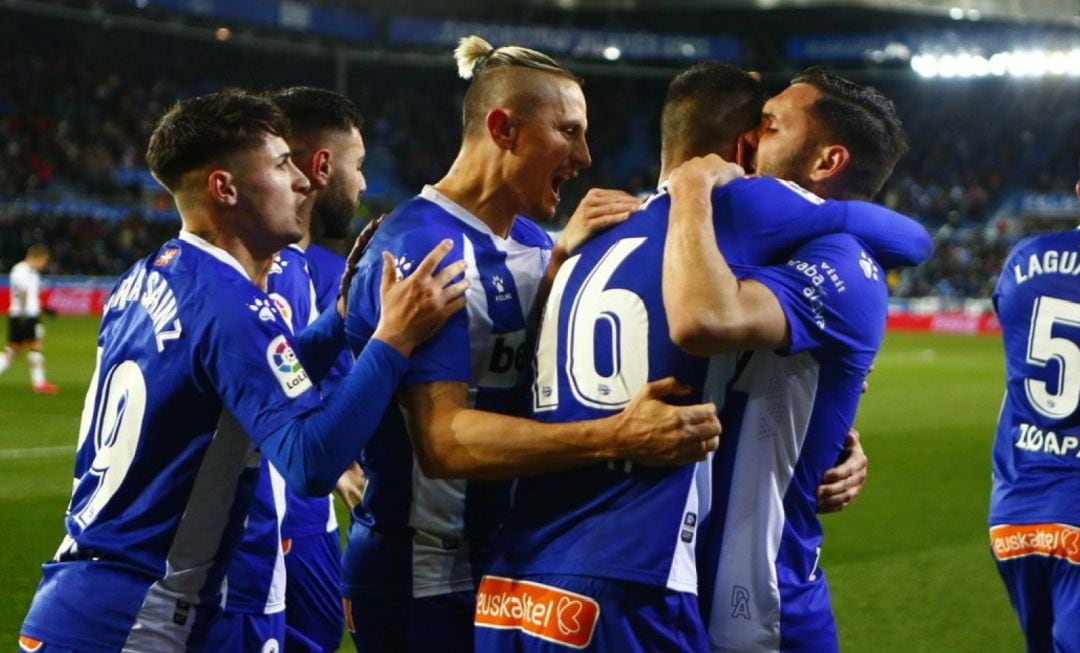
<point x="908" y="564"/>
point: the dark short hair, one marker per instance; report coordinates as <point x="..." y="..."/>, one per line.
<point x="312" y="110"/>
<point x="709" y="105"/>
<point x="207" y="128"/>
<point x="864" y="121"/>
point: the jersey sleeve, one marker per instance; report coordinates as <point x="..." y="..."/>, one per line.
<point x="442" y="357"/>
<point x="833" y="294"/>
<point x="250" y="359"/>
<point x="762" y="220"/>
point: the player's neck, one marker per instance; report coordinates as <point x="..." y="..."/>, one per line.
<point x="478" y="190"/>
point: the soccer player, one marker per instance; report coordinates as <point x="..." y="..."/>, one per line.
<point x="25" y="331"/>
<point x="1034" y="521"/>
<point x="282" y="585"/>
<point x="327" y="146"/>
<point x="815" y="323"/>
<point x="603" y="557"/>
<point x="196" y="375"/>
<point x="421" y="538"/>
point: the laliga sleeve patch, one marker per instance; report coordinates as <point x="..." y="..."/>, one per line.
<point x="287" y="368"/>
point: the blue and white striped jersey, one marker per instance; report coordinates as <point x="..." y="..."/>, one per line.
<point x="192" y="358"/>
<point x="1036" y="460"/>
<point x="605" y="334"/>
<point x="436" y="534"/>
<point x="785" y="419"/>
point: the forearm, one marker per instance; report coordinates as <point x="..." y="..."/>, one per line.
<point x="320" y="343"/>
<point x="699" y="288"/>
<point x="312" y="452"/>
<point x="452" y="441"/>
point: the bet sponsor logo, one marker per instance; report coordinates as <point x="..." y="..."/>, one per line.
<point x="550" y="613"/>
<point x="1010" y="541"/>
<point x="287" y="368"/>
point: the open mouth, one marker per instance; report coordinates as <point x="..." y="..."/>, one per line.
<point x="556" y="184"/>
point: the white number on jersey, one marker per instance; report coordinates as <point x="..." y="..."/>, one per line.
<point x="1043" y="347"/>
<point x="116" y="434"/>
<point x="619" y="313"/>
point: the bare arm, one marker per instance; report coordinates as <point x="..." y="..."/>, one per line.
<point x="453" y="441"/>
<point x="600" y="209"/>
<point x="709" y="310"/>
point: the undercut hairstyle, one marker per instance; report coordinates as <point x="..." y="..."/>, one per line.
<point x="313" y="110"/>
<point x="494" y="71"/>
<point x="707" y="107"/>
<point x="864" y="121"/>
<point x="209" y="128"/>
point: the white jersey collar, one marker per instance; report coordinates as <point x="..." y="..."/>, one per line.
<point x="453" y="208"/>
<point x="215" y="251"/>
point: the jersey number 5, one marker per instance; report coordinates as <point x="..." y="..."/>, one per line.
<point x="1044" y="347"/>
<point x="616" y="313"/>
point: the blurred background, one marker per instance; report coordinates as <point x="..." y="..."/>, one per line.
<point x="989" y="91"/>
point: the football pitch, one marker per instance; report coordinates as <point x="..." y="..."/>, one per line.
<point x="908" y="564"/>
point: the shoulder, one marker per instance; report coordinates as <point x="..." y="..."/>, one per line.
<point x="530" y="234"/>
<point x="767" y="188"/>
<point x="844" y="262"/>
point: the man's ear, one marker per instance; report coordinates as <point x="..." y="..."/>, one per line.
<point x="831" y="161"/>
<point x="320" y="168"/>
<point x="501" y="128"/>
<point x="222" y="187"/>
<point x="745" y="146"/>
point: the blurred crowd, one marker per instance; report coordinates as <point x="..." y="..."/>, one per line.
<point x="73" y="128"/>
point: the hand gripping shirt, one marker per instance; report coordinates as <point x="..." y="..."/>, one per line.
<point x="438" y="533"/>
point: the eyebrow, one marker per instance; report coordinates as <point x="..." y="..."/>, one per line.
<point x="283" y="156"/>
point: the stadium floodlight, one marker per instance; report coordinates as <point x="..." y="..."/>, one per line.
<point x="925" y="65"/>
<point x="612" y="53"/>
<point x="1015" y="63"/>
<point x="956" y="13"/>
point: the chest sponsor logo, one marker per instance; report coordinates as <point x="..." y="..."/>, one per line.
<point x="506" y="361"/>
<point x="550" y="613"/>
<point x="287" y="368"/>
<point x="1048" y="540"/>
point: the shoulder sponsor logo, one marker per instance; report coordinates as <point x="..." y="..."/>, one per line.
<point x="264" y="308"/>
<point x="287" y="368"/>
<point x="550" y="613"/>
<point x="1048" y="540"/>
<point x="166" y="257"/>
<point x="869" y="267"/>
